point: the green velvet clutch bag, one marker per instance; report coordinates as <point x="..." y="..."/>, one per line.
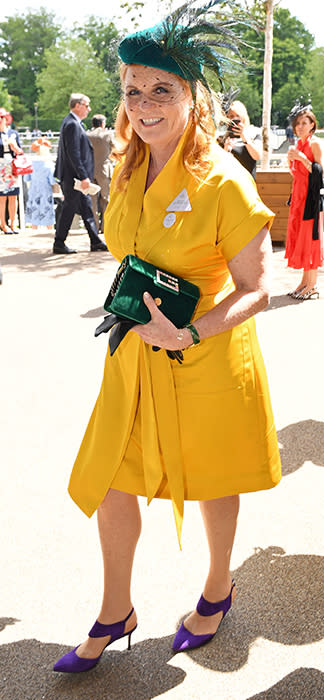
<point x="174" y="296"/>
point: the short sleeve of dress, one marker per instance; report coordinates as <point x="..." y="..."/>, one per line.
<point x="241" y="215"/>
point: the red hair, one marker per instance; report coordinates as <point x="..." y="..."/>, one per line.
<point x="201" y="136"/>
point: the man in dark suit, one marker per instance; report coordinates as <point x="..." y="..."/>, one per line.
<point x="75" y="160"/>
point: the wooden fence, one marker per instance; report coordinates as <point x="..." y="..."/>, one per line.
<point x="274" y="187"/>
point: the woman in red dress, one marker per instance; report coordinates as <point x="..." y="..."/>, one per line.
<point x="304" y="246"/>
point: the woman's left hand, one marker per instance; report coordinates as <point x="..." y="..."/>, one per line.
<point x="159" y="330"/>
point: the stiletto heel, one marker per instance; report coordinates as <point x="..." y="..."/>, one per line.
<point x="185" y="640"/>
<point x="129" y="640"/>
<point x="72" y="663"/>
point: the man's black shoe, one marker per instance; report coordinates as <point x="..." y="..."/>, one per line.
<point x="62" y="249"/>
<point x="98" y="246"/>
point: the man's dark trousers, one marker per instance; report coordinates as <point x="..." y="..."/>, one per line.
<point x="76" y="203"/>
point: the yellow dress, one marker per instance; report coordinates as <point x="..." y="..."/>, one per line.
<point x="203" y="429"/>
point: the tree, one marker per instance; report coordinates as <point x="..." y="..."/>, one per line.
<point x="71" y="66"/>
<point x="23" y="41"/>
<point x="134" y="9"/>
<point x="5" y="101"/>
<point x="249" y="95"/>
<point x="312" y="83"/>
<point x="20" y="112"/>
<point x="291" y="46"/>
<point x="267" y="84"/>
<point x="104" y="39"/>
<point x="283" y="101"/>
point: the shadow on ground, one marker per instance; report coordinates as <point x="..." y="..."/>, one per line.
<point x="54" y="265"/>
<point x="302" y="684"/>
<point x="279" y="599"/>
<point x="28" y="255"/>
<point x="277" y="302"/>
<point x="142" y="673"/>
<point x="301" y="442"/>
<point x="94" y="313"/>
<point x="5" y="621"/>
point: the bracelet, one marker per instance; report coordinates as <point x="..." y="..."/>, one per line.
<point x="194" y="333"/>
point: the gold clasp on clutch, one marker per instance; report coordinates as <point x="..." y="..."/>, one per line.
<point x="166" y="280"/>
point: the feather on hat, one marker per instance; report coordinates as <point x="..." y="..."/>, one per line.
<point x="301" y="105"/>
<point x="227" y="98"/>
<point x="187" y="41"/>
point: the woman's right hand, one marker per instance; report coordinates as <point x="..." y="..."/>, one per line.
<point x="14" y="146"/>
<point x="292" y="153"/>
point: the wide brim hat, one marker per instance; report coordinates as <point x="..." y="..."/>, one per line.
<point x="4" y="113"/>
<point x="41" y="142"/>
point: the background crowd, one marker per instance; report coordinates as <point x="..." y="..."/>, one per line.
<point x="45" y="199"/>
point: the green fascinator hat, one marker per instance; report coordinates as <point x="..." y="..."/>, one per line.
<point x="187" y="41"/>
<point x="143" y="48"/>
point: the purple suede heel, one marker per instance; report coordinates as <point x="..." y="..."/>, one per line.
<point x="185" y="640"/>
<point x="72" y="663"/>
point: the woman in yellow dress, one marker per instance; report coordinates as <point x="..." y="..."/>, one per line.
<point x="202" y="430"/>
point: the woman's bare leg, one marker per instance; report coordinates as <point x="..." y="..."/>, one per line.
<point x="308" y="282"/>
<point x="3" y="224"/>
<point x="220" y="519"/>
<point x="12" y="211"/>
<point x="119" y="523"/>
<point x="311" y="279"/>
<point x="303" y="283"/>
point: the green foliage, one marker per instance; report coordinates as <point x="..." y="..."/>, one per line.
<point x="5" y="101"/>
<point x="283" y="100"/>
<point x="251" y="97"/>
<point x="71" y="66"/>
<point x="20" y="113"/>
<point x="104" y="39"/>
<point x="23" y="40"/>
<point x="38" y="65"/>
<point x="291" y="45"/>
<point x="134" y="9"/>
<point x="312" y="83"/>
